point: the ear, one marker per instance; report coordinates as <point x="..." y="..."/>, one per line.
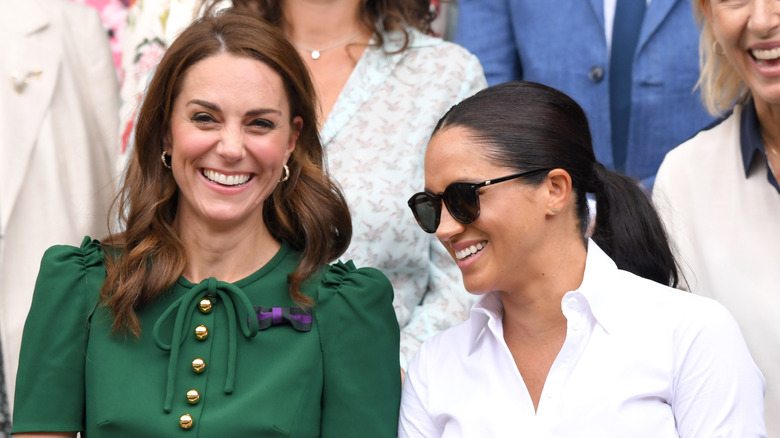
<point x="296" y="126"/>
<point x="705" y="9"/>
<point x="168" y="143"/>
<point x="559" y="190"/>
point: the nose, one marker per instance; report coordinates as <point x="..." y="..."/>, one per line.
<point x="448" y="226"/>
<point x="764" y="17"/>
<point x="231" y="144"/>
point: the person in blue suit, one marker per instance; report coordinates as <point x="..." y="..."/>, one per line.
<point x="566" y="44"/>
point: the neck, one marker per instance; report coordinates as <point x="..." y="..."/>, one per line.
<point x="227" y="254"/>
<point x="533" y="308"/>
<point x="319" y="24"/>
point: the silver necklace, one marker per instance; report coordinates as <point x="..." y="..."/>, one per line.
<point x="315" y="53"/>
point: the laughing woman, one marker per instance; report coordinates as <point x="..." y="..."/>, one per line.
<point x="216" y="312"/>
<point x="718" y="193"/>
<point x="572" y="336"/>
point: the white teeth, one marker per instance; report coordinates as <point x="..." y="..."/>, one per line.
<point x="765" y="55"/>
<point x="225" y="180"/>
<point x="473" y="249"/>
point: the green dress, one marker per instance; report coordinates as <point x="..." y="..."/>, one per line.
<point x="199" y="367"/>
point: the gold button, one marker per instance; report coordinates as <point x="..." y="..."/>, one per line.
<point x="185" y="421"/>
<point x="205" y="305"/>
<point x="193" y="396"/>
<point x="201" y="332"/>
<point x="198" y="365"/>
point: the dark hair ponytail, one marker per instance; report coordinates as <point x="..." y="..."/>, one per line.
<point x="529" y="126"/>
<point x="629" y="229"/>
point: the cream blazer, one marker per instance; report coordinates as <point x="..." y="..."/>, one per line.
<point x="58" y="140"/>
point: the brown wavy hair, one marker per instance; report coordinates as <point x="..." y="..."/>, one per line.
<point x="377" y="15"/>
<point x="308" y="211"/>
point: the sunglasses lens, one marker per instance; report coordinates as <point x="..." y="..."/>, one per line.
<point x="462" y="202"/>
<point x="424" y="207"/>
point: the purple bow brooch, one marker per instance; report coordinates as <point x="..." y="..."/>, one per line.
<point x="298" y="318"/>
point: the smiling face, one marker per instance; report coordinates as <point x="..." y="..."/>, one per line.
<point x="496" y="250"/>
<point x="230" y="134"/>
<point x="749" y="32"/>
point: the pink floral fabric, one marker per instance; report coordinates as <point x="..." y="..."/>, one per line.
<point x="114" y="15"/>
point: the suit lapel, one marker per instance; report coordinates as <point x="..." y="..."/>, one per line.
<point x="655" y="15"/>
<point x="29" y="72"/>
<point x="598" y="10"/>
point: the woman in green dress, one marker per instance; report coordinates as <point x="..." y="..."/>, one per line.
<point x="215" y="312"/>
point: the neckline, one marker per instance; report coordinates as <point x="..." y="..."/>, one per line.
<point x="280" y="256"/>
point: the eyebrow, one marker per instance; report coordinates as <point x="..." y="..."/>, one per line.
<point x="254" y="112"/>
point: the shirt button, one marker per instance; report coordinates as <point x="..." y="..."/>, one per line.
<point x="201" y="332"/>
<point x="571" y="303"/>
<point x="185" y="421"/>
<point x="193" y="396"/>
<point x="596" y="74"/>
<point x="198" y="365"/>
<point x="205" y="305"/>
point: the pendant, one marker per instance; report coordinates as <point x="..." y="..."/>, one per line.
<point x="315" y="54"/>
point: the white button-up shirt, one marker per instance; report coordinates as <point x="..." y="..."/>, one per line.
<point x="639" y="360"/>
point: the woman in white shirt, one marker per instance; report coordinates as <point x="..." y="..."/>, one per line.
<point x="568" y="338"/>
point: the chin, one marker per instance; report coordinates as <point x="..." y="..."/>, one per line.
<point x="475" y="288"/>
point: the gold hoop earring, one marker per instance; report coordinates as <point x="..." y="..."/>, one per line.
<point x="286" y="174"/>
<point x="715" y="50"/>
<point x="164" y="159"/>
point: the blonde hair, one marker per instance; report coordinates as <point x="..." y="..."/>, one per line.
<point x="721" y="85"/>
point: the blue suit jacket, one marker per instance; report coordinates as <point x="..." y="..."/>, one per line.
<point x="561" y="43"/>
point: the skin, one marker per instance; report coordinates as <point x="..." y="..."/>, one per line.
<point x="232" y="116"/>
<point x="317" y="24"/>
<point x="742" y="27"/>
<point x="532" y="260"/>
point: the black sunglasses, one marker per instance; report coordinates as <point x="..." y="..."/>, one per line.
<point x="461" y="199"/>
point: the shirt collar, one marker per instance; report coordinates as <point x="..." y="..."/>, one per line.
<point x="597" y="289"/>
<point x="487" y="311"/>
<point x="751" y="143"/>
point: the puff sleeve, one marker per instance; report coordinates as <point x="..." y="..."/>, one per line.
<point x="360" y="341"/>
<point x="50" y="395"/>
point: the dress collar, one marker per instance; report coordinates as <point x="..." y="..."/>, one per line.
<point x="751" y="144"/>
<point x="239" y="310"/>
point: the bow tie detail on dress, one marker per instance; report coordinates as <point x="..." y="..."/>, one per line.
<point x="237" y="307"/>
<point x="298" y="318"/>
